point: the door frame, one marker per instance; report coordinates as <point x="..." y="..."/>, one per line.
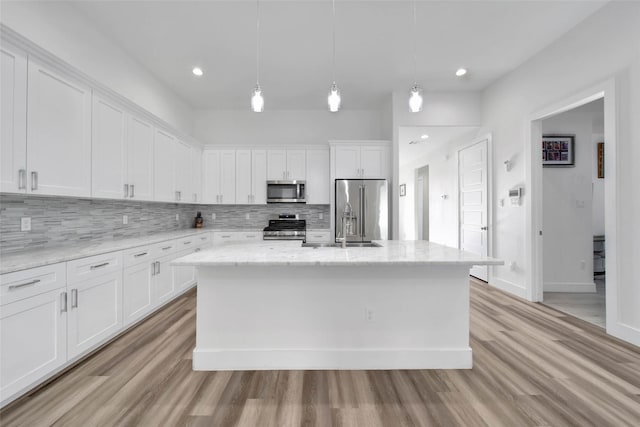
<point x="533" y="238"/>
<point x="489" y="138"/>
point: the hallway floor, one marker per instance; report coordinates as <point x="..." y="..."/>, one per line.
<point x="586" y="306"/>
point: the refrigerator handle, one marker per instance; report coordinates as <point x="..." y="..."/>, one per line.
<point x="363" y="192"/>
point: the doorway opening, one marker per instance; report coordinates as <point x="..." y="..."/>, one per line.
<point x="573" y="267"/>
<point x="422" y="203"/>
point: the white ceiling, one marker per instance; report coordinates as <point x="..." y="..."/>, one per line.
<point x="373" y="45"/>
<point x="438" y="137"/>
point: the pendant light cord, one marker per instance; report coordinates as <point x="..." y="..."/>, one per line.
<point x="257" y="42"/>
<point x="333" y="31"/>
<point x="415" y="44"/>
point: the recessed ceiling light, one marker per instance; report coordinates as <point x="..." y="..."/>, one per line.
<point x="424" y="136"/>
<point x="461" y="72"/>
<point x="197" y="71"/>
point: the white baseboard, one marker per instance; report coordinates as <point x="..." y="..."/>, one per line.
<point x="569" y="287"/>
<point x="323" y="359"/>
<point x="512" y="288"/>
<point x="624" y="332"/>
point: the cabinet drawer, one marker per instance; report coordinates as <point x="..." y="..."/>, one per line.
<point x="165" y="248"/>
<point x="318" y="236"/>
<point x="139" y="255"/>
<point x="203" y="239"/>
<point x="251" y="236"/>
<point x="27" y="283"/>
<point x="95" y="266"/>
<point x="186" y="243"/>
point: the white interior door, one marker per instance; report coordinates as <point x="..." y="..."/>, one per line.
<point x="473" y="215"/>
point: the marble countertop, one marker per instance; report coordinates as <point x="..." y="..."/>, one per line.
<point x="23" y="260"/>
<point x="282" y="253"/>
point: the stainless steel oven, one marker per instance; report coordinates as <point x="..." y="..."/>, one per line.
<point x="286" y="192"/>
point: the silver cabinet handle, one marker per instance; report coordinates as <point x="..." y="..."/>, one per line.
<point x="22" y="285"/>
<point x="362" y="210"/>
<point x="483" y="228"/>
<point x="158" y="262"/>
<point x="22" y="175"/>
<point x="63" y="302"/>
<point x="104" y="264"/>
<point x="153" y="268"/>
<point x="226" y="236"/>
<point x="167" y="248"/>
<point x="203" y="238"/>
<point x="195" y="197"/>
<point x="222" y="199"/>
<point x="177" y="196"/>
<point x="197" y="250"/>
<point x="131" y="194"/>
<point x="34" y="181"/>
<point x="187" y="243"/>
<point x="74" y="298"/>
<point x="126" y="191"/>
<point x="140" y="254"/>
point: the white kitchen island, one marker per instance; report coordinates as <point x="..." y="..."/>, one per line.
<point x="276" y="305"/>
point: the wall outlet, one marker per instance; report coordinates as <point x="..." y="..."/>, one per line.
<point x="25" y="223"/>
<point x="320" y="215"/>
<point x="247" y="216"/>
<point x="368" y="314"/>
<point x="177" y="217"/>
<point x="213" y="216"/>
<point x="125" y="219"/>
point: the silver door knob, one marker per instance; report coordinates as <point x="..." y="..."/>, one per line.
<point x="483" y="228"/>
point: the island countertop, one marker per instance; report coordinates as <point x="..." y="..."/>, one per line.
<point x="290" y="253"/>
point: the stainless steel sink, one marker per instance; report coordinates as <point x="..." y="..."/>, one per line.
<point x="338" y="245"/>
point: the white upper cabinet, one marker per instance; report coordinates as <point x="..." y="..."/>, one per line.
<point x="140" y="159"/>
<point x="251" y="177"/>
<point x="108" y="150"/>
<point x="219" y="177"/>
<point x="318" y="184"/>
<point x="285" y="165"/>
<point x="183" y="173"/>
<point x="164" y="167"/>
<point x="259" y="177"/>
<point x="362" y="161"/>
<point x="196" y="164"/>
<point x="58" y="134"/>
<point x="13" y="121"/>
<point x="243" y="177"/>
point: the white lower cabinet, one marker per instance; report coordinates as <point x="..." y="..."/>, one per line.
<point x="33" y="327"/>
<point x="95" y="312"/>
<point x="137" y="292"/>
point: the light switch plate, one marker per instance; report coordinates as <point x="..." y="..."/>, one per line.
<point x="125" y="219"/>
<point x="177" y="217"/>
<point x="320" y="215"/>
<point x="25" y="223"/>
<point x="247" y="216"/>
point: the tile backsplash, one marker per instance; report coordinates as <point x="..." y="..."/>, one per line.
<point x="57" y="221"/>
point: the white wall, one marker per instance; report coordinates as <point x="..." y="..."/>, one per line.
<point x="61" y="29"/>
<point x="567" y="67"/>
<point x="567" y="209"/>
<point x="274" y="127"/>
<point x="439" y="109"/>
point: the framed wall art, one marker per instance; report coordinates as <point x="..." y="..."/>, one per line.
<point x="558" y="150"/>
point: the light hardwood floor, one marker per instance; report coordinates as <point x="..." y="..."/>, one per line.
<point x="533" y="366"/>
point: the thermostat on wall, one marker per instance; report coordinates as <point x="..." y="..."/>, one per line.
<point x="515" y="194"/>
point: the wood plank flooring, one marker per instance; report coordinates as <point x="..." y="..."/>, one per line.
<point x="533" y="366"/>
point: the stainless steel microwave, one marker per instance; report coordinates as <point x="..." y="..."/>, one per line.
<point x="286" y="192"/>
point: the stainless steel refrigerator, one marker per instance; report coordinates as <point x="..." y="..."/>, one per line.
<point x="362" y="209"/>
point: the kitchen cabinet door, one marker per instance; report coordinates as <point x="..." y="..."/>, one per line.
<point x="243" y="177"/>
<point x="108" y="150"/>
<point x="95" y="312"/>
<point x="13" y="120"/>
<point x="228" y="177"/>
<point x="211" y="172"/>
<point x="33" y="340"/>
<point x="196" y="164"/>
<point x="296" y="165"/>
<point x="183" y="173"/>
<point x="137" y="292"/>
<point x="259" y="177"/>
<point x="164" y="167"/>
<point x="140" y="159"/>
<point x="277" y="165"/>
<point x="58" y="134"/>
<point x="318" y="177"/>
<point x="347" y="162"/>
<point x="374" y="161"/>
<point x="164" y="284"/>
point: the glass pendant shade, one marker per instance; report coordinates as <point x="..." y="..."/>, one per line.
<point x="334" y="98"/>
<point x="415" y="99"/>
<point x="257" y="100"/>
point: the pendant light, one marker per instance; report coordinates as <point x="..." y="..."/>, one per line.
<point x="334" y="100"/>
<point x="415" y="94"/>
<point x="257" y="100"/>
